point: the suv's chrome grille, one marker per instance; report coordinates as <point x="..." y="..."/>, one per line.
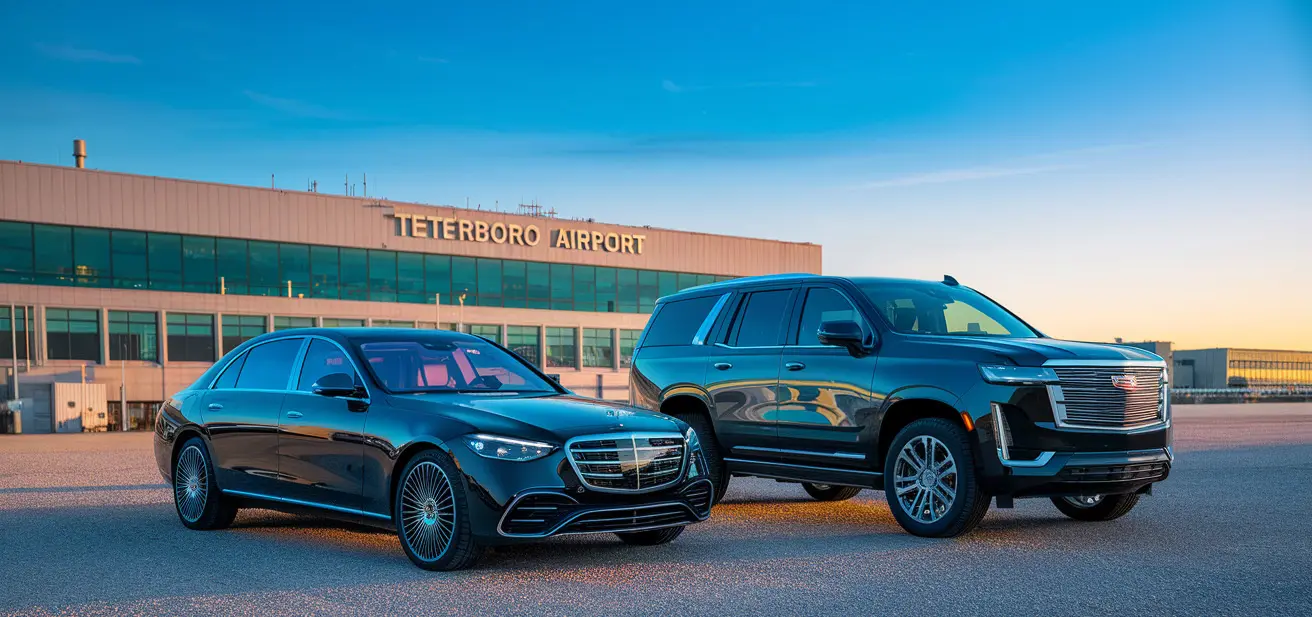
<point x="1112" y="397"/>
<point x="625" y="462"/>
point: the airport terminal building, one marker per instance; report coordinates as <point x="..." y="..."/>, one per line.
<point x="117" y="279"/>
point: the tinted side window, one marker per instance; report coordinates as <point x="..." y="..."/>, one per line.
<point x="321" y="359"/>
<point x="760" y="319"/>
<point x="676" y="323"/>
<point x="229" y="377"/>
<point x="824" y="304"/>
<point x="268" y="366"/>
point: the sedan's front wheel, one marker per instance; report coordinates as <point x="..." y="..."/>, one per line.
<point x="431" y="513"/>
<point x="196" y="495"/>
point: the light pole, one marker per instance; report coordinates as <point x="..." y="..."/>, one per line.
<point x="123" y="385"/>
<point x="460" y="327"/>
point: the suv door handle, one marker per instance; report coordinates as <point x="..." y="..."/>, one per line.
<point x="794" y="366"/>
<point x="293" y="414"/>
<point x="215" y="406"/>
<point x="724" y="366"/>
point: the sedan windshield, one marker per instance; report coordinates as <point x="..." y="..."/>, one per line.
<point x="935" y="308"/>
<point x="440" y="364"/>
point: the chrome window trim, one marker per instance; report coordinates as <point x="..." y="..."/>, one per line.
<point x="867" y="330"/>
<point x="294" y="379"/>
<point x="1057" y="398"/>
<point x="311" y="504"/>
<point x="704" y="330"/>
<point x="247" y="351"/>
<point x="632" y="436"/>
<point x="727" y="346"/>
<point x="841" y="455"/>
<point x="570" y="519"/>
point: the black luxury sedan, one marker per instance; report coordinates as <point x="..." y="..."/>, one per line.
<point x="451" y="440"/>
<point x="928" y="390"/>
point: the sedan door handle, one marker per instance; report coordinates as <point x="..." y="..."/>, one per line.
<point x="215" y="406"/>
<point x="293" y="414"/>
<point x="724" y="366"/>
<point x="794" y="366"/>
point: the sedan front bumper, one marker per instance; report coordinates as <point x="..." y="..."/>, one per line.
<point x="517" y="501"/>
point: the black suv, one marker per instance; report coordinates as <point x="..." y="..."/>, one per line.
<point x="929" y="390"/>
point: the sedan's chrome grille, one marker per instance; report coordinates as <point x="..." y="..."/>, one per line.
<point x="1109" y="397"/>
<point x="627" y="462"/>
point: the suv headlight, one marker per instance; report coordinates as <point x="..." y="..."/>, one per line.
<point x="694" y="453"/>
<point x="507" y="448"/>
<point x="1017" y="375"/>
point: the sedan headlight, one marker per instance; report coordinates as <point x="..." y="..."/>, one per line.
<point x="506" y="448"/>
<point x="690" y="436"/>
<point x="1017" y="375"/>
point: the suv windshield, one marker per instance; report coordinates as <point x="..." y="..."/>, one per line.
<point x="432" y="364"/>
<point x="934" y="308"/>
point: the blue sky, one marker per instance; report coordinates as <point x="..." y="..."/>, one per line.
<point x="1135" y="169"/>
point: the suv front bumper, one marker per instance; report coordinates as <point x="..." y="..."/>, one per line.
<point x="1082" y="473"/>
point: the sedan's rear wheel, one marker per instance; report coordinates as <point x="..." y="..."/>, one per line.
<point x="1095" y="508"/>
<point x="432" y="514"/>
<point x="196" y="495"/>
<point x="829" y="492"/>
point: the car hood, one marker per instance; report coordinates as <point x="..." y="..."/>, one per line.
<point x="556" y="417"/>
<point x="1035" y="351"/>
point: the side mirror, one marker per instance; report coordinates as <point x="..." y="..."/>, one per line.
<point x="843" y="334"/>
<point x="335" y="384"/>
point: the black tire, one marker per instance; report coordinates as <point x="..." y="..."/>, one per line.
<point x="716" y="470"/>
<point x="970" y="502"/>
<point x="460" y="549"/>
<point x="199" y="502"/>
<point x="829" y="492"/>
<point x="651" y="537"/>
<point x="1108" y="507"/>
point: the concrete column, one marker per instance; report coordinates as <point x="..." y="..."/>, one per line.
<point x="505" y="335"/>
<point x="268" y="325"/>
<point x="162" y="337"/>
<point x="38" y="325"/>
<point x="218" y="336"/>
<point x="104" y="336"/>
<point x="542" y="347"/>
<point x="615" y="348"/>
<point x="578" y="348"/>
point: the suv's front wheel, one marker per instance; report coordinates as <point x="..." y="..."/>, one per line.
<point x="929" y="479"/>
<point x="715" y="467"/>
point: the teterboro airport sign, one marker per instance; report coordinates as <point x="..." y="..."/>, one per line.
<point x="473" y="230"/>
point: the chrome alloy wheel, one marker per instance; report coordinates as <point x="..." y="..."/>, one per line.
<point x="191" y="484"/>
<point x="1084" y="501"/>
<point x="925" y="479"/>
<point x="428" y="511"/>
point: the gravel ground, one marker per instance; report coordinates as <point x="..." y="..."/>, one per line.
<point x="86" y="527"/>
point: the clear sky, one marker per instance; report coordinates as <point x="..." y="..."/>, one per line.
<point x="1106" y="169"/>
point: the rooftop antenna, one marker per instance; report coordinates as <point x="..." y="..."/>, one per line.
<point x="272" y="184"/>
<point x="366" y="184"/>
<point x="949" y="281"/>
<point x="346" y="184"/>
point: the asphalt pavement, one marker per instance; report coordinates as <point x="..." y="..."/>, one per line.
<point x="87" y="527"/>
